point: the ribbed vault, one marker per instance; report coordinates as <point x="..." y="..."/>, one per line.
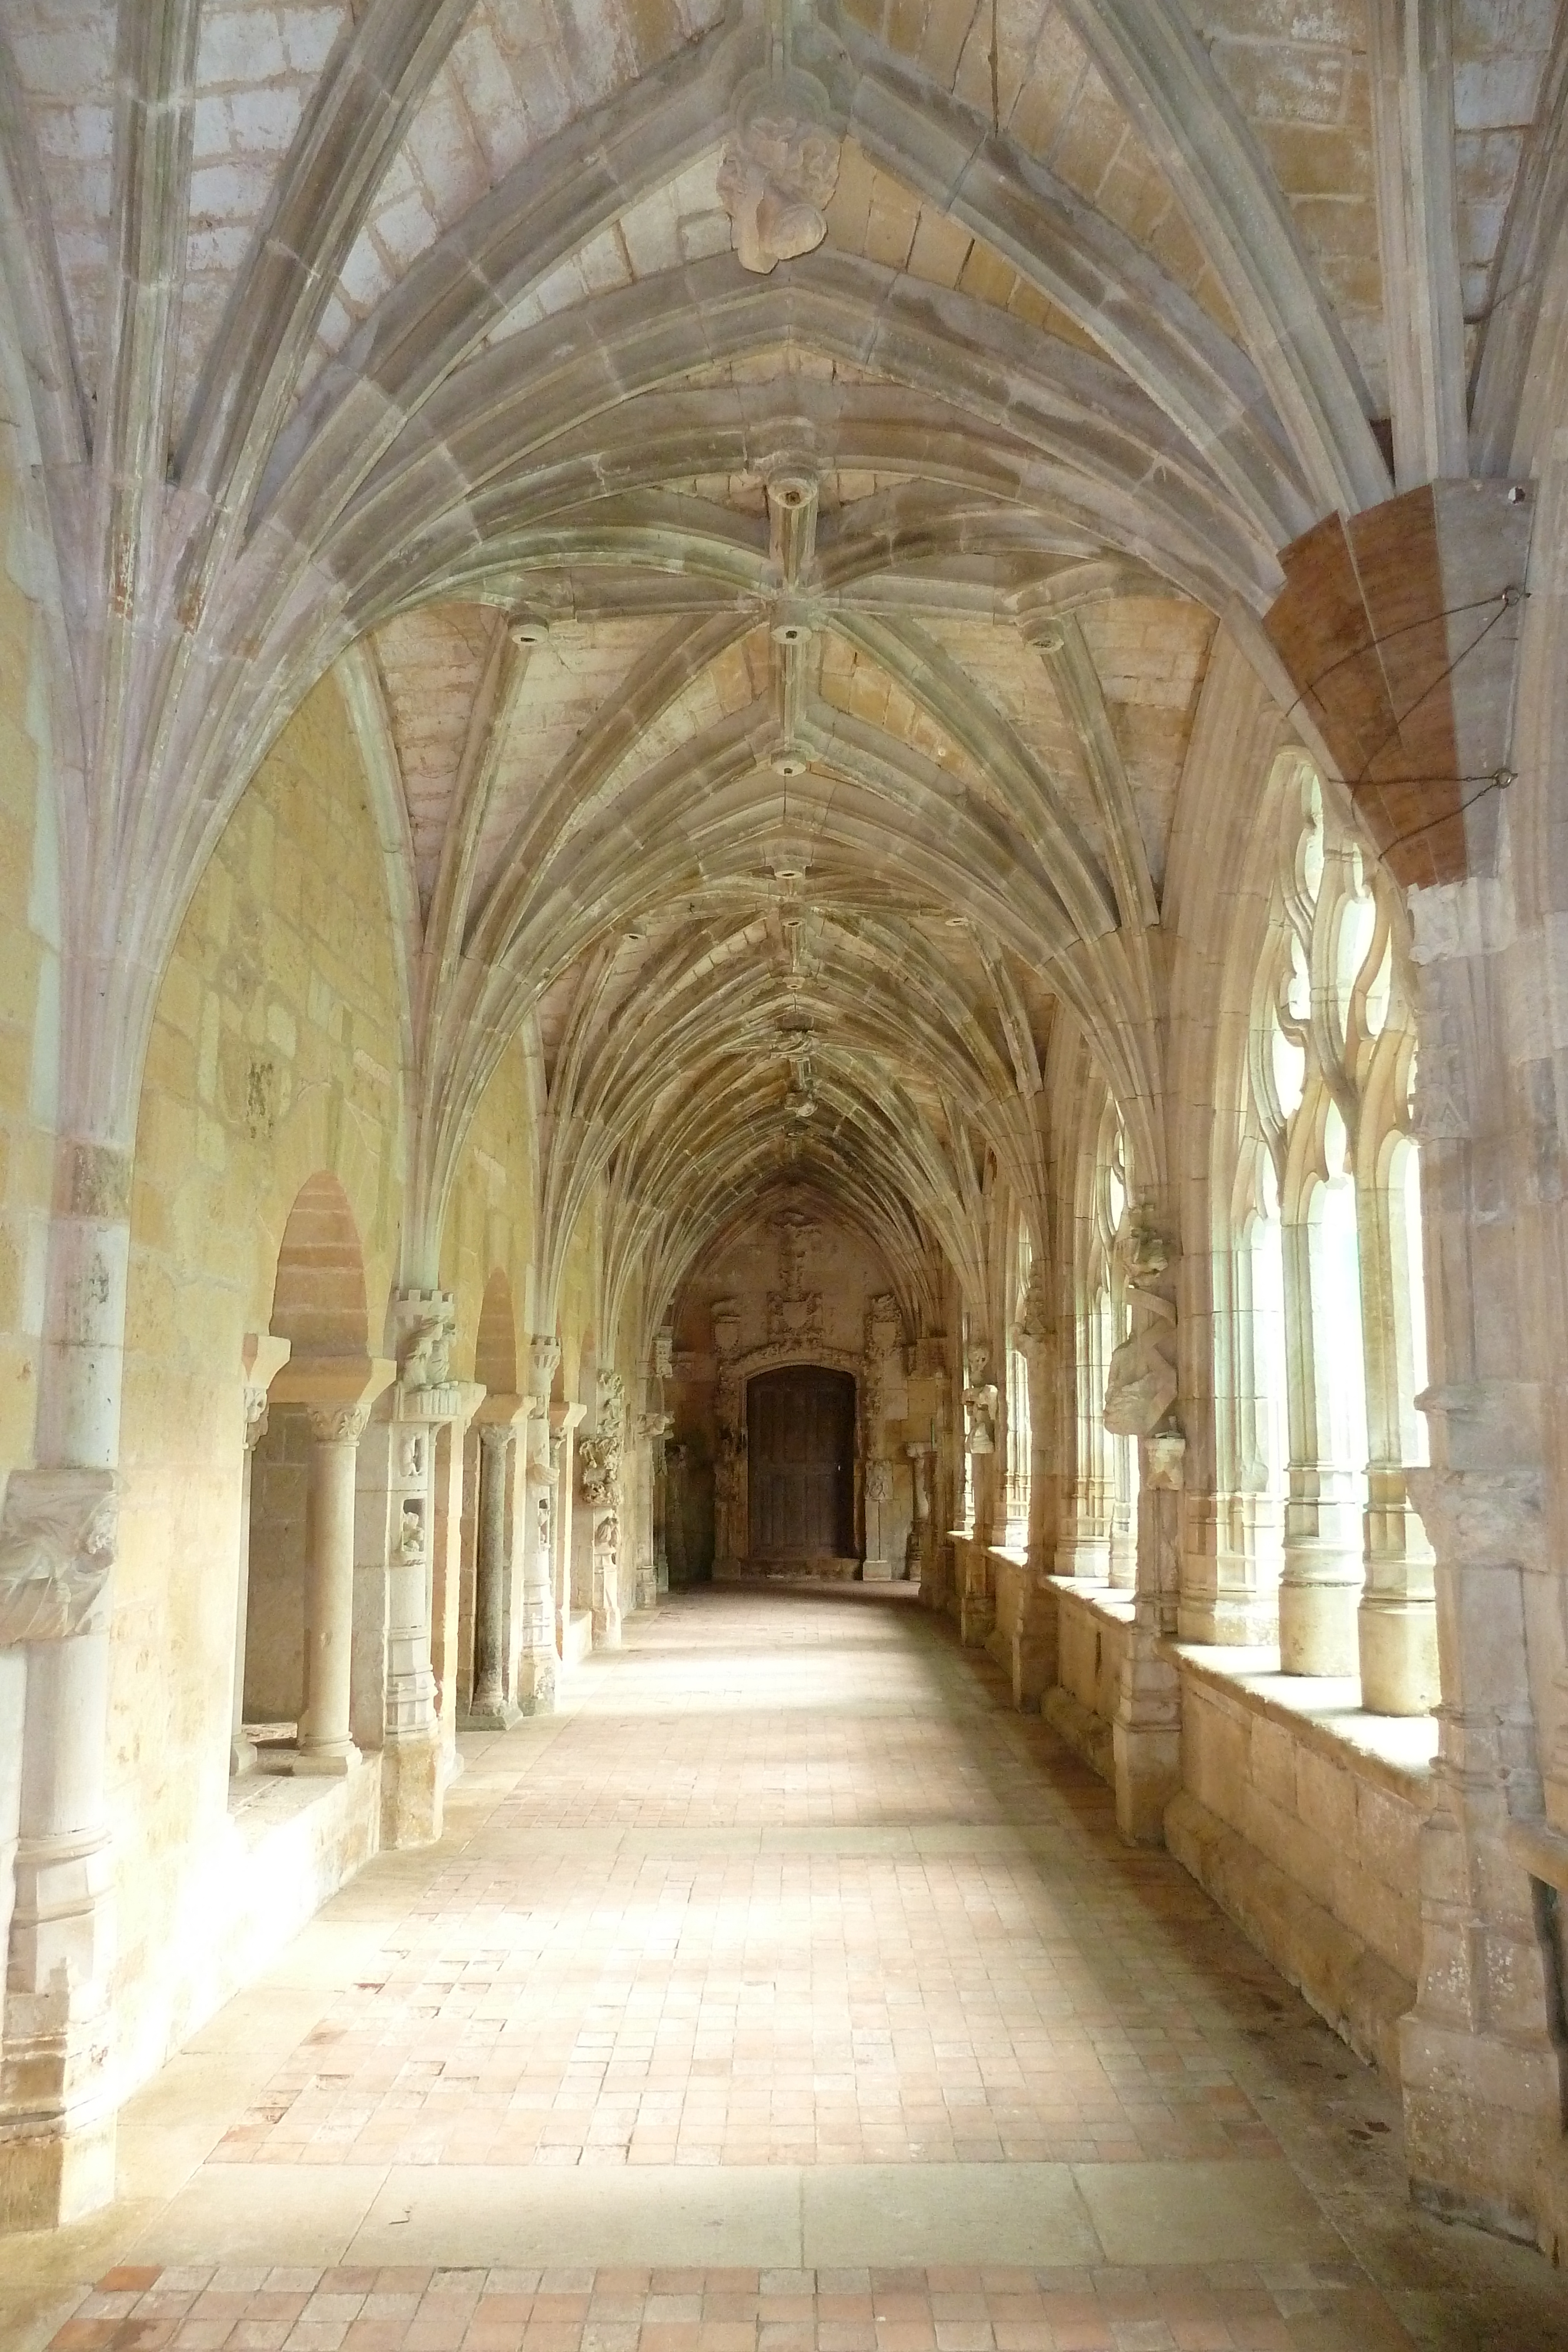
<point x="776" y="686"/>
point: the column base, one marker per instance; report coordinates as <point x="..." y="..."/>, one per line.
<point x="49" y="2177"/>
<point x="536" y="1681"/>
<point x="490" y="1714"/>
<point x="411" y="1786"/>
<point x="319" y="1763"/>
<point x="242" y="1757"/>
<point x="876" y="1571"/>
<point x="1483" y="2130"/>
<point x="1398" y="1646"/>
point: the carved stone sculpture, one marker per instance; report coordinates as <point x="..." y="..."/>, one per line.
<point x="1141" y="1381"/>
<point x="600" y="1459"/>
<point x="57" y="1548"/>
<point x="778" y="171"/>
<point x="980" y="1399"/>
<point x="878" y="1483"/>
<point x="424" y="1360"/>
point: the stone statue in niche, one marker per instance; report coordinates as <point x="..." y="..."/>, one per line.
<point x="878" y="1483"/>
<point x="779" y="168"/>
<point x="410" y="1533"/>
<point x="1141" y="1381"/>
<point x="980" y="1398"/>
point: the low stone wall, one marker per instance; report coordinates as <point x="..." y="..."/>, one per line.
<point x="1091" y="1627"/>
<point x="1298" y="1813"/>
<point x="1301" y="1817"/>
<point x="283" y="1849"/>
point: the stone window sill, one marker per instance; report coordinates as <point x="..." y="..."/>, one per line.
<point x="1323" y="1710"/>
<point x="1115" y="1601"/>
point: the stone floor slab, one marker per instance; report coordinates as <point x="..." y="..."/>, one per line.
<point x="935" y="2213"/>
<point x="604" y="2215"/>
<point x="1197" y="2213"/>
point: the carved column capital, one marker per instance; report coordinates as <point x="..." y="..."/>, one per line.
<point x="56" y="1547"/>
<point x="339" y="1424"/>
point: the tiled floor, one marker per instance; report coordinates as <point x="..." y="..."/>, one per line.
<point x="787" y="1946"/>
<point x="952" y="2310"/>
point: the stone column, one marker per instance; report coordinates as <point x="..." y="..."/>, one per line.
<point x="564" y="1421"/>
<point x="325" y="1744"/>
<point x="977" y="1602"/>
<point x="56" y="2128"/>
<point x="262" y="1357"/>
<point x="1141" y="1402"/>
<point x="57" y="1549"/>
<point x="1034" y="1648"/>
<point x="1321" y="1574"/>
<point x="446" y="1569"/>
<point x="1397" y="1619"/>
<point x="917" y="1546"/>
<point x="536" y="1658"/>
<point x="536" y="1668"/>
<point x="652" y="1428"/>
<point x="490" y="1707"/>
<point x="601" y="1457"/>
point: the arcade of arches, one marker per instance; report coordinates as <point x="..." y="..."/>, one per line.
<point x="783" y="796"/>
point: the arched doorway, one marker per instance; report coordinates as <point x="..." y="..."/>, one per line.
<point x="799" y="1444"/>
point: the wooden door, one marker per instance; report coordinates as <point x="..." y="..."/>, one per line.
<point x="799" y="1446"/>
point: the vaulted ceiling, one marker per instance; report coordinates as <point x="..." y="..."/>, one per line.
<point x="785" y="677"/>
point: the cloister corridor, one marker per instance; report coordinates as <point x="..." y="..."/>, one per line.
<point x="785" y="1989"/>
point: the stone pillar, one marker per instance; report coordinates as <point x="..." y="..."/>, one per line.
<point x="600" y="1456"/>
<point x="977" y="1602"/>
<point x="564" y="1421"/>
<point x="490" y="1707"/>
<point x="325" y="1745"/>
<point x="262" y="1356"/>
<point x="447" y="1571"/>
<point x="1322" y="1574"/>
<point x="56" y="2127"/>
<point x="917" y="1549"/>
<point x="1141" y="1402"/>
<point x="652" y="1429"/>
<point x="536" y="1657"/>
<point x="57" y="1549"/>
<point x="1397" y="1620"/>
<point x="1083" y="1539"/>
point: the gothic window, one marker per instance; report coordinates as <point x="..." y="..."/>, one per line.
<point x="1328" y="1246"/>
